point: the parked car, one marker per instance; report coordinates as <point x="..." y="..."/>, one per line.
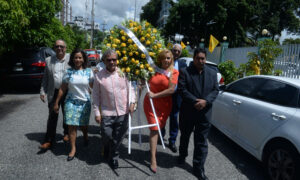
<point x="210" y="64"/>
<point x="262" y="115"/>
<point x="93" y="56"/>
<point x="25" y="66"/>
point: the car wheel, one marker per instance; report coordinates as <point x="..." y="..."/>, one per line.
<point x="282" y="162"/>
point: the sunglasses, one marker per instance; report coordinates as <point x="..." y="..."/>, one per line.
<point x="59" y="46"/>
<point x="111" y="60"/>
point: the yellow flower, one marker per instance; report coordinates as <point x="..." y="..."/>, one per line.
<point x="147" y="35"/>
<point x="147" y="24"/>
<point x="153" y="38"/>
<point x="134" y="23"/>
<point x="125" y="58"/>
<point x="151" y="54"/>
<point x="136" y="53"/>
<point x="117" y="61"/>
<point x="132" y="60"/>
<point x="130" y="24"/>
<point x="258" y="62"/>
<point x="123" y="45"/>
<point x="148" y="42"/>
<point x="135" y="46"/>
<point x="150" y="69"/>
<point x="122" y="32"/>
<point x="149" y="30"/>
<point x="114" y="45"/>
<point x="147" y="65"/>
<point x="123" y="38"/>
<point x="129" y="41"/>
<point x="140" y="27"/>
<point x="154" y="30"/>
<point x="111" y="31"/>
<point x="124" y="52"/>
<point x="142" y="39"/>
<point x="128" y="69"/>
<point x="136" y="62"/>
<point x="135" y="29"/>
<point x="159" y="45"/>
<point x="137" y="72"/>
<point x="110" y="37"/>
<point x="130" y="53"/>
<point x="118" y="52"/>
<point x="108" y="45"/>
<point x="142" y="66"/>
<point x="143" y="55"/>
<point x="123" y="69"/>
<point x="154" y="47"/>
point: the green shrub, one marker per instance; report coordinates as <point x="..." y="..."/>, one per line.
<point x="228" y="71"/>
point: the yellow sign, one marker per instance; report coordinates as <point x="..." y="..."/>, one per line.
<point x="213" y="42"/>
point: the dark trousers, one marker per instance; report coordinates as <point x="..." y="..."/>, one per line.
<point x="201" y="127"/>
<point x="173" y="132"/>
<point x="53" y="117"/>
<point x="113" y="130"/>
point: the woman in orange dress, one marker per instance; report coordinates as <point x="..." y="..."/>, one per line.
<point x="162" y="86"/>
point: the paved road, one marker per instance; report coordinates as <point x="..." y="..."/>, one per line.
<point x="22" y="128"/>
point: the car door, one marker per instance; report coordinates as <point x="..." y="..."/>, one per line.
<point x="271" y="106"/>
<point x="226" y="107"/>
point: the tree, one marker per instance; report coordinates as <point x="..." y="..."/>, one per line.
<point x="151" y="11"/>
<point x="240" y="20"/>
<point x="291" y="41"/>
<point x="33" y="24"/>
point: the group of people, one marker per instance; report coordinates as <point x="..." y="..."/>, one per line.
<point x="178" y="89"/>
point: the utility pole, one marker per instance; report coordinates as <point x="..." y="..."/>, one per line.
<point x="103" y="26"/>
<point x="134" y="10"/>
<point x="93" y="24"/>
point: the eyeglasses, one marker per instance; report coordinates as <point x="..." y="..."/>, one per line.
<point x="59" y="46"/>
<point x="199" y="58"/>
<point x="111" y="60"/>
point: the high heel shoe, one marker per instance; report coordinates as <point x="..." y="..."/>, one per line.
<point x="152" y="170"/>
<point x="70" y="158"/>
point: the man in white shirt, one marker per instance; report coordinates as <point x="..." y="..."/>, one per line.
<point x="52" y="79"/>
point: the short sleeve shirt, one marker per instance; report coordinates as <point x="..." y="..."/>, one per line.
<point x="78" y="83"/>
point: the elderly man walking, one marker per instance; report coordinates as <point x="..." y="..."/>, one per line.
<point x="176" y="100"/>
<point x="112" y="105"/>
<point x="52" y="79"/>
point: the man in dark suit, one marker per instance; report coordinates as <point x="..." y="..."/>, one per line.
<point x="198" y="87"/>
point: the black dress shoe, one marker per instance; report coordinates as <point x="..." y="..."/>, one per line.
<point x="70" y="158"/>
<point x="180" y="160"/>
<point x="114" y="164"/>
<point x="173" y="147"/>
<point x="200" y="174"/>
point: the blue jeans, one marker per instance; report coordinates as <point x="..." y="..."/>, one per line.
<point x="176" y="102"/>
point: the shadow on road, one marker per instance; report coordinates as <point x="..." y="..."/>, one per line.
<point x="244" y="162"/>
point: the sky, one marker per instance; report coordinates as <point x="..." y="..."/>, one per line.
<point x="110" y="12"/>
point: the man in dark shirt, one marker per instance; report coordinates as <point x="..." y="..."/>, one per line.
<point x="198" y="87"/>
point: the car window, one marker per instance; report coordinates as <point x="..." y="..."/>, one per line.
<point x="244" y="87"/>
<point x="278" y="93"/>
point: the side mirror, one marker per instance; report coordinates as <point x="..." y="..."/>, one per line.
<point x="222" y="87"/>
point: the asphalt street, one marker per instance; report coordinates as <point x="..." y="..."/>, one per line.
<point x="23" y="119"/>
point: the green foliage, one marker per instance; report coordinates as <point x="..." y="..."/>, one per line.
<point x="185" y="53"/>
<point x="291" y="41"/>
<point x="241" y="21"/>
<point x="151" y="11"/>
<point x="228" y="71"/>
<point x="268" y="52"/>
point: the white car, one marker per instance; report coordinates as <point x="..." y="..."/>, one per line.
<point x="210" y="64"/>
<point x="262" y="115"/>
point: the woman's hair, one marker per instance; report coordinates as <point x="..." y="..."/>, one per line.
<point x="85" y="58"/>
<point x="162" y="55"/>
